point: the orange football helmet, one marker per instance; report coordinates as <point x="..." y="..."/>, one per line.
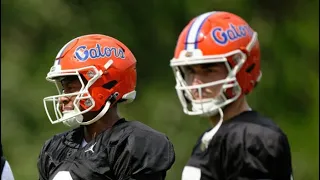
<point x="108" y="67"/>
<point x="217" y="37"/>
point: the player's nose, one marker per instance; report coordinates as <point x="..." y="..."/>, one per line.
<point x="66" y="101"/>
<point x="195" y="91"/>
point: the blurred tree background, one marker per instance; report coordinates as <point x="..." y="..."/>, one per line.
<point x="33" y="31"/>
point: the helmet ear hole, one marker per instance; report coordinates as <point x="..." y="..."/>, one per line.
<point x="110" y="84"/>
<point x="250" y="68"/>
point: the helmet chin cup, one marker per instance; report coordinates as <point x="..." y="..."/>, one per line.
<point x="207" y="107"/>
<point x="73" y="119"/>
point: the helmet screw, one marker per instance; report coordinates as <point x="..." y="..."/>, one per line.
<point x="88" y="103"/>
<point x="90" y="74"/>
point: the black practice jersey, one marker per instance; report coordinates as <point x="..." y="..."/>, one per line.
<point x="129" y="150"/>
<point x="248" y="146"/>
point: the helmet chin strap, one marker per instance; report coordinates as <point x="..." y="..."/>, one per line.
<point x="76" y="120"/>
<point x="102" y="112"/>
<point x="206" y="138"/>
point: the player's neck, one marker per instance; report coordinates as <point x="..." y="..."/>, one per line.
<point x="106" y="122"/>
<point x="231" y="110"/>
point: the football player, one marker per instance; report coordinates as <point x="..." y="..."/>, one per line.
<point x="216" y="64"/>
<point x="93" y="74"/>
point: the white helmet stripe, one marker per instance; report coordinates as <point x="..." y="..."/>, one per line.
<point x="194" y="30"/>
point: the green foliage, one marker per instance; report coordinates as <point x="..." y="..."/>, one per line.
<point x="33" y="31"/>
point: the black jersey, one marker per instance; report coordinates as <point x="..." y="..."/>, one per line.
<point x="248" y="146"/>
<point x="129" y="150"/>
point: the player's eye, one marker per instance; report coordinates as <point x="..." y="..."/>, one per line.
<point x="189" y="70"/>
<point x="71" y="89"/>
<point x="208" y="70"/>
